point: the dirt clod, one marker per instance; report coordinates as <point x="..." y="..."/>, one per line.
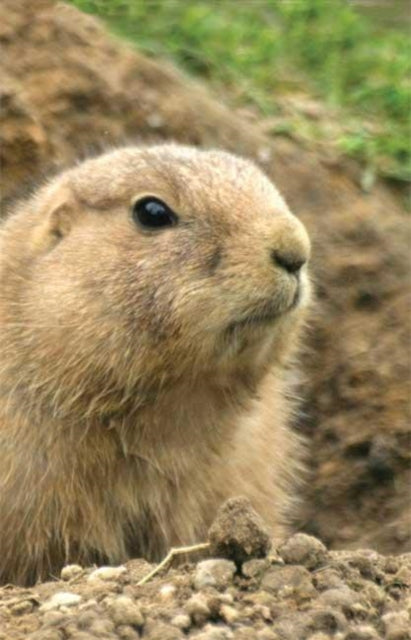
<point x="214" y="573"/>
<point x="238" y="533"/>
<point x="61" y="599"/>
<point x="125" y="611"/>
<point x="107" y="574"/>
<point x="289" y="581"/>
<point x="182" y="621"/>
<point x="198" y="609"/>
<point x="397" y="625"/>
<point x="71" y="571"/>
<point x="305" y="550"/>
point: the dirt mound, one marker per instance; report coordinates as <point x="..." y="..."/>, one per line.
<point x="304" y="591"/>
<point x="70" y="90"/>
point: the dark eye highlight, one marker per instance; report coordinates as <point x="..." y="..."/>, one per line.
<point x="152" y="213"/>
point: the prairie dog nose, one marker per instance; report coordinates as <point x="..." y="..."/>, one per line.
<point x="292" y="247"/>
<point x="290" y="261"/>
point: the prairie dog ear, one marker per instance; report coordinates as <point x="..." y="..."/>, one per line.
<point x="57" y="213"/>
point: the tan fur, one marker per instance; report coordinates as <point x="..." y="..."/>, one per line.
<point x="140" y="385"/>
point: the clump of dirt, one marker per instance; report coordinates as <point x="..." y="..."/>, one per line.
<point x="238" y="532"/>
<point x="71" y="90"/>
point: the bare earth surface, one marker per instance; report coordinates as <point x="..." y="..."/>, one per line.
<point x="300" y="591"/>
<point x="69" y="90"/>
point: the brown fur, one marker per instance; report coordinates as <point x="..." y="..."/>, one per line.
<point x="143" y="375"/>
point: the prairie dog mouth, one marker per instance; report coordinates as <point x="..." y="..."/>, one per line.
<point x="265" y="314"/>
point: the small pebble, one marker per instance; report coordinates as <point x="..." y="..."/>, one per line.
<point x="124" y="610"/>
<point x="267" y="634"/>
<point x="397" y="625"/>
<point x="71" y="571"/>
<point x="125" y="632"/>
<point x="289" y="580"/>
<point x="160" y="631"/>
<point x="107" y="573"/>
<point x="182" y="621"/>
<point x="304" y="550"/>
<point x="343" y="598"/>
<point x="61" y="599"/>
<point x="214" y="573"/>
<point x="167" y="591"/>
<point x="197" y="608"/>
<point x="21" y="608"/>
<point x="101" y="627"/>
<point x="328" y="578"/>
<point x="53" y="618"/>
<point x="138" y="569"/>
<point x="255" y="568"/>
<point x="327" y="620"/>
<point x="215" y="633"/>
<point x="363" y="632"/>
<point x="365" y="560"/>
<point x="229" y="614"/>
<point x="46" y="634"/>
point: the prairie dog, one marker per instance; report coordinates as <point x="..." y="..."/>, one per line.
<point x="151" y="301"/>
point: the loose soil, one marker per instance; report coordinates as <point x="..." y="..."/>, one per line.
<point x="70" y="90"/>
<point x="301" y="591"/>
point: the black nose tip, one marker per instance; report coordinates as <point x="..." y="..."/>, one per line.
<point x="288" y="261"/>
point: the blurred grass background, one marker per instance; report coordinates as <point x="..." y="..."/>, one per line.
<point x="328" y="72"/>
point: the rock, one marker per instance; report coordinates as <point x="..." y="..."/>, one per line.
<point x="101" y="627"/>
<point x="363" y="632"/>
<point x="21" y="608"/>
<point x="397" y="625"/>
<point x="54" y="618"/>
<point x="124" y="610"/>
<point x="197" y="608"/>
<point x="214" y="573"/>
<point x="215" y="633"/>
<point x="44" y="634"/>
<point x="229" y="614"/>
<point x="137" y="569"/>
<point x="125" y="632"/>
<point x="403" y="576"/>
<point x="374" y="594"/>
<point x="287" y="581"/>
<point x="305" y="550"/>
<point x="255" y="568"/>
<point x="365" y="560"/>
<point x="290" y="627"/>
<point x="359" y="612"/>
<point x="71" y="571"/>
<point x="161" y="631"/>
<point x="238" y="533"/>
<point x="107" y="574"/>
<point x="167" y="591"/>
<point x="61" y="599"/>
<point x="267" y="634"/>
<point x="343" y="598"/>
<point x="327" y="620"/>
<point x="320" y="636"/>
<point x="182" y="621"/>
<point x="328" y="578"/>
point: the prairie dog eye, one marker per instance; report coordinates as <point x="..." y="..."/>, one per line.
<point x="150" y="212"/>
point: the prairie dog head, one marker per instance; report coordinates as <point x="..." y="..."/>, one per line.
<point x="151" y="264"/>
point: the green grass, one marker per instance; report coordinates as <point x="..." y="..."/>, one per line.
<point x="256" y="52"/>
